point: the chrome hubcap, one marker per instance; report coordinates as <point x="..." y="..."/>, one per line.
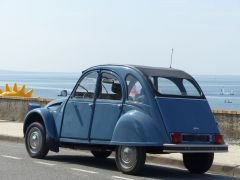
<point x="128" y="156"/>
<point x="35" y="140"/>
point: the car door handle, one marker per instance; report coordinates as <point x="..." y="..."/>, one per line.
<point x="90" y="104"/>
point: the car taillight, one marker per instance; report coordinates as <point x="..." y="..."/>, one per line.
<point x="176" y="138"/>
<point x="218" y="139"/>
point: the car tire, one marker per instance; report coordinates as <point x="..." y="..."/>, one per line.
<point x="129" y="159"/>
<point x="198" y="163"/>
<point x="35" y="141"/>
<point x="101" y="154"/>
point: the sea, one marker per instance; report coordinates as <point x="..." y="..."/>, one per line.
<point x="222" y="92"/>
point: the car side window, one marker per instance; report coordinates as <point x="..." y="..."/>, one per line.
<point x="110" y="87"/>
<point x="136" y="92"/>
<point x="167" y="86"/>
<point x="87" y="86"/>
<point x="191" y="90"/>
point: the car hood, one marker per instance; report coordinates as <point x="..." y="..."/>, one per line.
<point x="56" y="102"/>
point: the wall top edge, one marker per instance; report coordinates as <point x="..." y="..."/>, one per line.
<point x="217" y="111"/>
<point x="26" y="99"/>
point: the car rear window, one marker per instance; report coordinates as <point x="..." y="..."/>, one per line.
<point x="176" y="86"/>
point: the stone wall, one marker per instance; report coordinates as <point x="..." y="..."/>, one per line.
<point x="15" y="108"/>
<point x="229" y="124"/>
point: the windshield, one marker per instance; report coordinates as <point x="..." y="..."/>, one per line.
<point x="175" y="86"/>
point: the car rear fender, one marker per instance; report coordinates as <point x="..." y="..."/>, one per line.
<point x="43" y="116"/>
<point x="136" y="128"/>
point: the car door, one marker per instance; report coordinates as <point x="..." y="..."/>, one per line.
<point x="108" y="107"/>
<point x="79" y="108"/>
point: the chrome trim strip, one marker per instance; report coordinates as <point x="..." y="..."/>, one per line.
<point x="195" y="151"/>
<point x="194" y="148"/>
<point x="194" y="145"/>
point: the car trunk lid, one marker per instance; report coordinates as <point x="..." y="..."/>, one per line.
<point x="183" y="115"/>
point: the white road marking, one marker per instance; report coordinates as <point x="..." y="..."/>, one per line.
<point x="86" y="171"/>
<point x="166" y="165"/>
<point x="11" y="157"/>
<point x="119" y="177"/>
<point x="44" y="163"/>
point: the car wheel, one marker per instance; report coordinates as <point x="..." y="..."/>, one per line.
<point x="198" y="163"/>
<point x="35" y="141"/>
<point x="129" y="159"/>
<point x="101" y="154"/>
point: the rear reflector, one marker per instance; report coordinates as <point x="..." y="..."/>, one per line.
<point x="176" y="138"/>
<point x="218" y="139"/>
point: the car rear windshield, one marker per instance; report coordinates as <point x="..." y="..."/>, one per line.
<point x="170" y="86"/>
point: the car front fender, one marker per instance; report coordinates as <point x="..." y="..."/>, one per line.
<point x="136" y="128"/>
<point x="43" y="116"/>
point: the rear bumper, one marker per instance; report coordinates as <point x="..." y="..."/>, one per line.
<point x="194" y="148"/>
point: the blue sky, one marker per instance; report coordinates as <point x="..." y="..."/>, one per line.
<point x="71" y="35"/>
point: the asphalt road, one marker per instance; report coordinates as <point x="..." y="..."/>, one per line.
<point x="71" y="164"/>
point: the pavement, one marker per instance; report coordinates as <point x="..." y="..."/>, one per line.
<point x="224" y="163"/>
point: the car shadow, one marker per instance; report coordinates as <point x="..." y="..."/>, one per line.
<point x="149" y="171"/>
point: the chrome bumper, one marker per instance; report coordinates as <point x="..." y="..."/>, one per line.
<point x="194" y="148"/>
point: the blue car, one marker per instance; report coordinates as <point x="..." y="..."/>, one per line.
<point x="132" y="110"/>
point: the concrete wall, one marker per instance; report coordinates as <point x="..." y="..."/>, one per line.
<point x="15" y="109"/>
<point x="229" y="124"/>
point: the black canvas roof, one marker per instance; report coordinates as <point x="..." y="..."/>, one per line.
<point x="164" y="72"/>
<point x="154" y="71"/>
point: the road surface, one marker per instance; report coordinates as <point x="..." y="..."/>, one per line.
<point x="72" y="164"/>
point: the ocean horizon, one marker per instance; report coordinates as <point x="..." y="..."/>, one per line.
<point x="222" y="91"/>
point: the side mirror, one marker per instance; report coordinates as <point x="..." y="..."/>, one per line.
<point x="63" y="93"/>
